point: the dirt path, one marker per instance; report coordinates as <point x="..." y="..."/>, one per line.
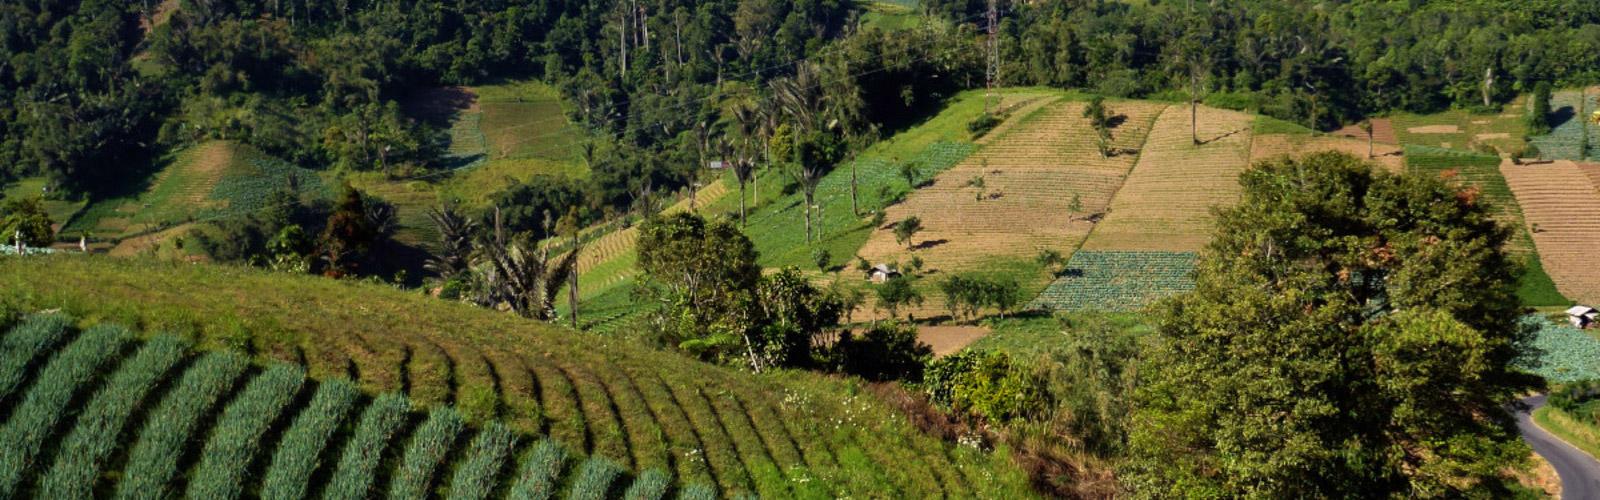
<point x="1562" y="202"/>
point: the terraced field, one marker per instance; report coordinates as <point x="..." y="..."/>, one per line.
<point x="1165" y="205"/>
<point x="1030" y="174"/>
<point x="1268" y="146"/>
<point x="1477" y="170"/>
<point x="780" y="435"/>
<point x="152" y="410"/>
<point x="1562" y="209"/>
<point x="1117" y="281"/>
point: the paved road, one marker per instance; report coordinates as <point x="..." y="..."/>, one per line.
<point x="1580" y="473"/>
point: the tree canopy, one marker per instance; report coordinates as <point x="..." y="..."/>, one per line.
<point x="1352" y="332"/>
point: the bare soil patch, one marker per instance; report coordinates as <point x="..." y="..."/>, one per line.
<point x="1269" y="146"/>
<point x="1492" y="136"/>
<point x="1382" y="131"/>
<point x="947" y="339"/>
<point x="1435" y="129"/>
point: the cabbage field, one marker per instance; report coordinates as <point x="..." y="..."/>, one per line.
<point x="1563" y="353"/>
<point x="1117" y="281"/>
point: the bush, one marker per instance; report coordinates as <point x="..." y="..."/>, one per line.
<point x="888" y="351"/>
<point x="426" y="453"/>
<point x="358" y="464"/>
<point x="986" y="384"/>
<point x="225" y="461"/>
<point x="595" y="479"/>
<point x="307" y="440"/>
<point x="45" y="406"/>
<point x="1237" y="101"/>
<point x="170" y="428"/>
<point x="94" y="438"/>
<point x="478" y="473"/>
<point x="31" y="340"/>
<point x="982" y="124"/>
<point x="541" y="474"/>
<point x="1539" y="110"/>
<point x="650" y="485"/>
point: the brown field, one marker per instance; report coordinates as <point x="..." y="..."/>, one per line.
<point x="1031" y="175"/>
<point x="1593" y="171"/>
<point x="1563" y="203"/>
<point x="1166" y="203"/>
<point x="1382" y="131"/>
<point x="947" y="339"/>
<point x="1268" y="146"/>
<point x="1435" y="129"/>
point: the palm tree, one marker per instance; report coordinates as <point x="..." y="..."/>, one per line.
<point x="517" y="275"/>
<point x="455" y="242"/>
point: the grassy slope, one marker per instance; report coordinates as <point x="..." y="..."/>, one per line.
<point x="635" y="405"/>
<point x="1583" y="436"/>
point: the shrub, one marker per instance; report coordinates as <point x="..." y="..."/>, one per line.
<point x="306" y="440"/>
<point x="697" y="492"/>
<point x="541" y="474"/>
<point x="37" y="335"/>
<point x="94" y="438"/>
<point x="987" y="384"/>
<point x="225" y="461"/>
<point x="35" y="418"/>
<point x="169" y="429"/>
<point x="478" y="473"/>
<point x="358" y="464"/>
<point x="595" y="479"/>
<point x="982" y="124"/>
<point x="888" y="351"/>
<point x="426" y="452"/>
<point x="1539" y="110"/>
<point x="650" y="485"/>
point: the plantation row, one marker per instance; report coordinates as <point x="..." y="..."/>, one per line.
<point x="1117" y="281"/>
<point x="210" y="426"/>
<point x="793" y="435"/>
<point x="1562" y="209"/>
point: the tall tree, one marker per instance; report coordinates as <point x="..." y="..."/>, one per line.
<point x="1351" y="334"/>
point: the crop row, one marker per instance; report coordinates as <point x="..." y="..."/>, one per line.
<point x="1117" y="281"/>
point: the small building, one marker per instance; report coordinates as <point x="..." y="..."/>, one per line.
<point x="1583" y="316"/>
<point x="717" y="165"/>
<point x="881" y="273"/>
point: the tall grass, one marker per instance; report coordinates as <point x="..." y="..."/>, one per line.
<point x="95" y="437"/>
<point x="171" y="427"/>
<point x="697" y="492"/>
<point x="358" y="464"/>
<point x="37" y="335"/>
<point x="541" y="474"/>
<point x="650" y="485"/>
<point x="45" y="405"/>
<point x="426" y="453"/>
<point x="225" y="462"/>
<point x="595" y="479"/>
<point x="479" y="471"/>
<point x="303" y="445"/>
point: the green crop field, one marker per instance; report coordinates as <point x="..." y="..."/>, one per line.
<point x="1117" y="281"/>
<point x="1464" y="130"/>
<point x="1566" y="138"/>
<point x="779" y="434"/>
<point x="1564" y="353"/>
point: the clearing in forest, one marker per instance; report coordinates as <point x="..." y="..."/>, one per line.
<point x="1028" y="188"/>
<point x="1562" y="208"/>
<point x="1166" y="203"/>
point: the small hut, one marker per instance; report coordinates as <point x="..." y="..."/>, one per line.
<point x="881" y="273"/>
<point x="1583" y="316"/>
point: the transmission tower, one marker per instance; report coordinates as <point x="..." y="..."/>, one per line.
<point x="992" y="71"/>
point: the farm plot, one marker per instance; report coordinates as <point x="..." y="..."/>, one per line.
<point x="1566" y="139"/>
<point x="1265" y="147"/>
<point x="598" y="394"/>
<point x="1463" y="130"/>
<point x="1562" y="210"/>
<point x="1166" y="203"/>
<point x="1565" y="354"/>
<point x="1382" y="132"/>
<point x="1117" y="281"/>
<point x="1038" y="182"/>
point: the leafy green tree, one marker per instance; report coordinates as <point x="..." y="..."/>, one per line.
<point x="988" y="384"/>
<point x="26" y="219"/>
<point x="886" y="351"/>
<point x="703" y="275"/>
<point x="1539" y="110"/>
<point x="822" y="259"/>
<point x="792" y="311"/>
<point x="1352" y="333"/>
<point x="896" y="293"/>
<point x="907" y="229"/>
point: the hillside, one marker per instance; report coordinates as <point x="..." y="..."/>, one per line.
<point x="781" y="434"/>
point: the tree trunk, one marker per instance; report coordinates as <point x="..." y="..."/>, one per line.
<point x="854" y="208"/>
<point x="808" y="215"/>
<point x="1369" y="142"/>
<point x="622" y="40"/>
<point x="572" y="283"/>
<point x="1194" y="107"/>
<point x="742" y="222"/>
<point x="1488" y="84"/>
